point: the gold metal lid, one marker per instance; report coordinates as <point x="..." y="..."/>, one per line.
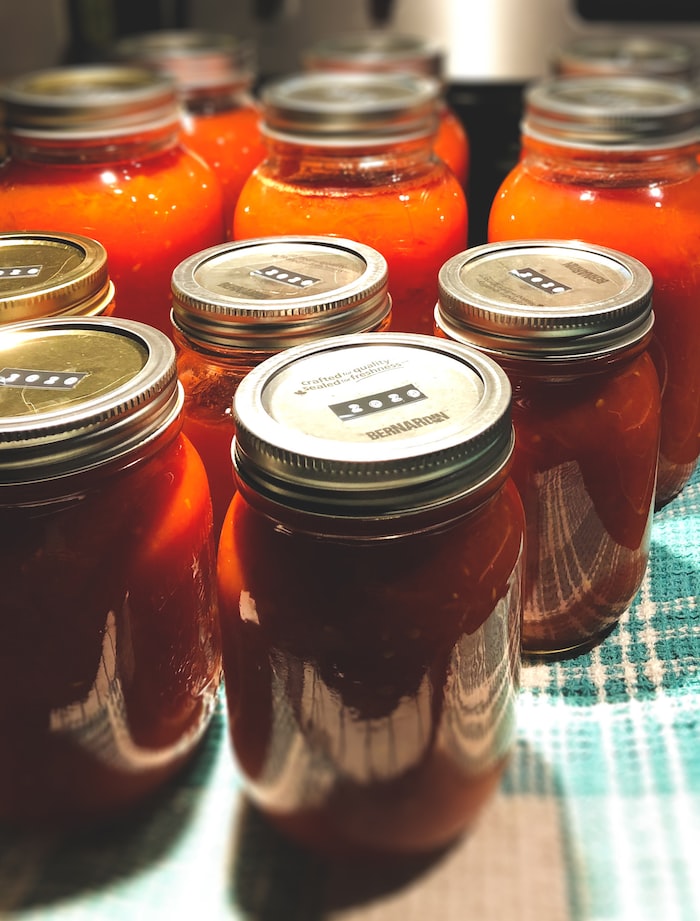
<point x="350" y="108"/>
<point x="373" y="424"/>
<point x="626" y="55"/>
<point x="51" y="274"/>
<point x="76" y="393"/>
<point x="88" y="101"/>
<point x="273" y="292"/>
<point x="545" y="299"/>
<point x="194" y="59"/>
<point x="629" y="113"/>
<point x="375" y="50"/>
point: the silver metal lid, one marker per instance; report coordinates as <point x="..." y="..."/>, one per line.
<point x="371" y="425"/>
<point x="375" y="50"/>
<point x="350" y="108"/>
<point x="48" y="274"/>
<point x="626" y="55"/>
<point x="194" y="59"/>
<point x="88" y="101"/>
<point x="78" y="393"/>
<point x="273" y="292"/>
<point x="612" y="112"/>
<point x="544" y="299"/>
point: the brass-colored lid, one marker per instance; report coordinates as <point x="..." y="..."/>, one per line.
<point x="273" y="292"/>
<point x="373" y="424"/>
<point x="78" y="392"/>
<point x="626" y="55"/>
<point x="375" y="50"/>
<point x="46" y="274"/>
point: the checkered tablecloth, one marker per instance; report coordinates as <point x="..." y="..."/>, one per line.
<point x="597" y="818"/>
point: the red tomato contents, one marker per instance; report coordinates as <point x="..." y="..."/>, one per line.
<point x="642" y="200"/>
<point x="587" y="422"/>
<point x="371" y="659"/>
<point x="109" y="642"/>
<point x="357" y="182"/>
<point x="133" y="187"/>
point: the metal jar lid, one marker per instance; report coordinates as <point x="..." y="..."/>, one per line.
<point x="194" y="59"/>
<point x="375" y="51"/>
<point x="87" y="101"/>
<point x="626" y="55"/>
<point x="274" y="292"/>
<point x="46" y="274"/>
<point x="76" y="393"/>
<point x="350" y="108"/>
<point x="545" y="299"/>
<point x="612" y="112"/>
<point x="378" y="424"/>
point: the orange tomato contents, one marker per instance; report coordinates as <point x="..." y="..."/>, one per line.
<point x="452" y="144"/>
<point x="109" y="644"/>
<point x="416" y="219"/>
<point x="584" y="464"/>
<point x="372" y="673"/>
<point x="659" y="224"/>
<point x="149" y="212"/>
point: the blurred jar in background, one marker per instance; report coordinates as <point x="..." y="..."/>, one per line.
<point x="238" y="303"/>
<point x="352" y="155"/>
<point x="214" y="74"/>
<point x="109" y="643"/>
<point x="625" y="55"/>
<point x="45" y="274"/>
<point x="571" y="324"/>
<point x="370" y="578"/>
<point x="377" y="52"/>
<point x="614" y="161"/>
<point x="96" y="150"/>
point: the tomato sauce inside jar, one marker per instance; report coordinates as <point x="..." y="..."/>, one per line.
<point x="571" y="324"/>
<point x="369" y="574"/>
<point x="615" y="162"/>
<point x="109" y="643"/>
<point x="352" y="155"/>
<point x="238" y="303"/>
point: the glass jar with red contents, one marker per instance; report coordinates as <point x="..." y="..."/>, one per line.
<point x="46" y="274"/>
<point x="96" y="150"/>
<point x="214" y="74"/>
<point x="386" y="52"/>
<point x="571" y="324"/>
<point x="109" y="644"/>
<point x="614" y="161"/>
<point x="238" y="303"/>
<point x="352" y="155"/>
<point x="369" y="576"/>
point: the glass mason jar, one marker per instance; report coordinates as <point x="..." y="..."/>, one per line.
<point x="626" y="56"/>
<point x="614" y="161"/>
<point x="352" y="155"/>
<point x="96" y="150"/>
<point x="214" y="74"/>
<point x="53" y="274"/>
<point x="369" y="575"/>
<point x="109" y="642"/>
<point x="571" y="324"/>
<point x="387" y="52"/>
<point x="238" y="303"/>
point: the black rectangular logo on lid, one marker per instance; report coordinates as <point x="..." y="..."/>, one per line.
<point x="295" y="279"/>
<point x="44" y="380"/>
<point x="540" y="281"/>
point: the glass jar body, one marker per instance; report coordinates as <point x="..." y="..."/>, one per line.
<point x="643" y="204"/>
<point x="452" y="144"/>
<point x="109" y="636"/>
<point x="400" y="199"/>
<point x="224" y="129"/>
<point x="371" y="682"/>
<point x="149" y="201"/>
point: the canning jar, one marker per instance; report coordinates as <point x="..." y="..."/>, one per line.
<point x="369" y="576"/>
<point x="614" y="161"/>
<point x="386" y="52"/>
<point x="571" y="324"/>
<point x="96" y="150"/>
<point x="109" y="642"/>
<point x="626" y="55"/>
<point x="238" y="303"/>
<point x="214" y="74"/>
<point x="53" y="274"/>
<point x="352" y="155"/>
